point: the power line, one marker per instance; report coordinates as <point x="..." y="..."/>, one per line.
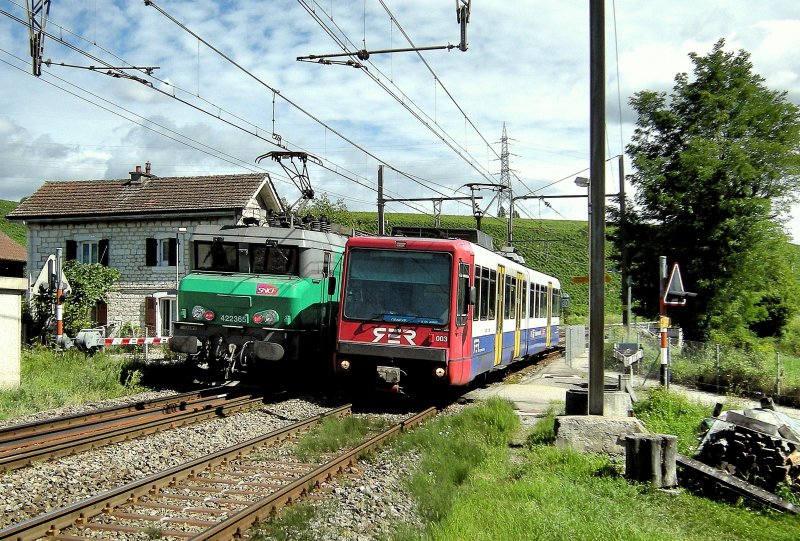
<point x="218" y="116"/>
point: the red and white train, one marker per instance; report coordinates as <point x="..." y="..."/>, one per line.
<point x="416" y="311"/>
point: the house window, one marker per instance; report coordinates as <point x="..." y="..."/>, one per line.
<point x="89" y="251"/>
<point x="164" y="252"/>
<point x="161" y="251"/>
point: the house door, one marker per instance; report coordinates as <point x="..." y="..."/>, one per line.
<point x="167" y="314"/>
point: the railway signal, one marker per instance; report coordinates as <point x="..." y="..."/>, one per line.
<point x="672" y="294"/>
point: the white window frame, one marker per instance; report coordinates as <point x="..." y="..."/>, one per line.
<point x="160" y="324"/>
<point x="93" y="242"/>
<point x="162" y="243"/>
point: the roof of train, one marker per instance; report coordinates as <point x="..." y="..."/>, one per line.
<point x="414" y="243"/>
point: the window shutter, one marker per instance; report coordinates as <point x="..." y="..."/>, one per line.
<point x="150" y="306"/>
<point x="150" y="252"/>
<point x="72" y="250"/>
<point x="103" y="247"/>
<point x="102" y="313"/>
<point x="173" y="252"/>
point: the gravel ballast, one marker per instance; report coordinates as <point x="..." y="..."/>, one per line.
<point x="367" y="506"/>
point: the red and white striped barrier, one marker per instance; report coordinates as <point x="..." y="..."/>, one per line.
<point x="133" y="341"/>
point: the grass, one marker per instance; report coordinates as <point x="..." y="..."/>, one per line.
<point x="289" y="525"/>
<point x="15" y="230"/>
<point x="663" y="412"/>
<point x="53" y="379"/>
<point x="485" y="490"/>
<point x="333" y="435"/>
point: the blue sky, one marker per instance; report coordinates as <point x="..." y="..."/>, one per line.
<point x="527" y="66"/>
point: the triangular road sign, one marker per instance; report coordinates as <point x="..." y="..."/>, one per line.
<point x="675" y="288"/>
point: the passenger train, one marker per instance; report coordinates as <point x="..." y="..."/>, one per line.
<point x="421" y="311"/>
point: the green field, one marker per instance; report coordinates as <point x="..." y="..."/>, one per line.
<point x="15" y="230"/>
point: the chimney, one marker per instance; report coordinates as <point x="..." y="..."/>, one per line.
<point x="137" y="177"/>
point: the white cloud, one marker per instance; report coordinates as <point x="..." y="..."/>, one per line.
<point x="527" y="65"/>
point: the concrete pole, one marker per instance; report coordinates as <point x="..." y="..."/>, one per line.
<point x="597" y="226"/>
<point x="626" y="287"/>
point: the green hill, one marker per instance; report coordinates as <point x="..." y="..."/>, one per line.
<point x="15" y="230"/>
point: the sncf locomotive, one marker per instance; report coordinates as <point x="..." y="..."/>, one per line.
<point x="422" y="311"/>
<point x="259" y="298"/>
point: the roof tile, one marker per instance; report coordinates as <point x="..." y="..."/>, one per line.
<point x="153" y="194"/>
<point x="10" y="250"/>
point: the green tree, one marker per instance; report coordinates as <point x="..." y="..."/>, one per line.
<point x="336" y="212"/>
<point x="715" y="166"/>
<point x="90" y="284"/>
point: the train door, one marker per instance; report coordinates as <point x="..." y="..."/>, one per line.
<point x="499" y="313"/>
<point x="549" y="300"/>
<point x="518" y="314"/>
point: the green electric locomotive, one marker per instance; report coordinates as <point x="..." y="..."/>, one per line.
<point x="259" y="300"/>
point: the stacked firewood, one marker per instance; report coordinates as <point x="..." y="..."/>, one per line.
<point x="753" y="450"/>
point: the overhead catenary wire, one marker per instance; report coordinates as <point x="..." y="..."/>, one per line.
<point x="404" y="100"/>
<point x="335" y="169"/>
<point x="276" y="92"/>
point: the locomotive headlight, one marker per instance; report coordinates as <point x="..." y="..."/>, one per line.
<point x="266" y="317"/>
<point x="344" y="364"/>
<point x="439" y="372"/>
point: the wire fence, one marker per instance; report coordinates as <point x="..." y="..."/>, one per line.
<point x="723" y="370"/>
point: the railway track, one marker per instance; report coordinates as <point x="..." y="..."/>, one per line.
<point x="22" y="445"/>
<point x="218" y="496"/>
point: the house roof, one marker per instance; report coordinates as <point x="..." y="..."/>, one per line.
<point x="148" y="195"/>
<point x="10" y="250"/>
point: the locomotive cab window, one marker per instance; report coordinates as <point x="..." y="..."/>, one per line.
<point x="274" y="259"/>
<point x="216" y="256"/>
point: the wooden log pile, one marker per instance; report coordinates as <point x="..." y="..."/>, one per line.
<point x="765" y="453"/>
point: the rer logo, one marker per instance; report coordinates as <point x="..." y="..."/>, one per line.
<point x="394" y="335"/>
<point x="266" y="289"/>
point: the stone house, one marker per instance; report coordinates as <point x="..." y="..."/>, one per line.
<point x="141" y="227"/>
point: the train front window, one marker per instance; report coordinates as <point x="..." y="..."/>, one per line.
<point x="274" y="259"/>
<point x="398" y="286"/>
<point x="216" y="256"/>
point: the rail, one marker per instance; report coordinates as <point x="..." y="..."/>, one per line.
<point x="112" y="510"/>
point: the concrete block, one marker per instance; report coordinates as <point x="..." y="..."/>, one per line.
<point x="615" y="403"/>
<point x="596" y="434"/>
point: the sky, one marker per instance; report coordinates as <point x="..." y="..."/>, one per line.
<point x="434" y="120"/>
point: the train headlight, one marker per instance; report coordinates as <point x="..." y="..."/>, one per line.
<point x="344" y="364"/>
<point x="266" y="317"/>
<point x="440" y="372"/>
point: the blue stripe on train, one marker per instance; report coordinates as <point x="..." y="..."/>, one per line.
<point x="531" y="341"/>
